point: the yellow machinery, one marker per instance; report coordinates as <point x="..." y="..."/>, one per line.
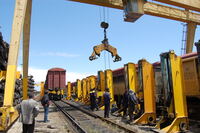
<point x="41" y="89"/>
<point x="144" y="90"/>
<point x="84" y="90"/>
<point x="175" y="113"/>
<point x="109" y="83"/>
<point x="147" y="86"/>
<point x="5" y="112"/>
<point x="69" y="90"/>
<point x="87" y="88"/>
<point x="101" y="84"/>
<point x="79" y="91"/>
<point x="104" y="46"/>
<point x="131" y="77"/>
<point x="92" y="82"/>
<point x="41" y="84"/>
<point x="101" y="81"/>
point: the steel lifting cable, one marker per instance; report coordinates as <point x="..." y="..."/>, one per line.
<point x="104" y="16"/>
<point x="108" y="22"/>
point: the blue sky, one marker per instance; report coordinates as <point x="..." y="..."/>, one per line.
<point x="63" y="34"/>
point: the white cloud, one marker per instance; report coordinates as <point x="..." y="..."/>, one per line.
<point x="73" y="76"/>
<point x="60" y="54"/>
<point x="40" y="75"/>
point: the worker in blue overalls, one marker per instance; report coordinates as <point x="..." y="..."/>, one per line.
<point x="106" y="97"/>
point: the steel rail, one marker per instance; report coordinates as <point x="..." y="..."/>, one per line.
<point x="72" y="120"/>
<point x="101" y="118"/>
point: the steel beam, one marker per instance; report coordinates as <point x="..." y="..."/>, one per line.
<point x="18" y="21"/>
<point x="8" y="113"/>
<point x="188" y="4"/>
<point x="191" y="28"/>
<point x="41" y="89"/>
<point x="69" y="90"/>
<point x="109" y="83"/>
<point x="26" y="41"/>
<point x="153" y="9"/>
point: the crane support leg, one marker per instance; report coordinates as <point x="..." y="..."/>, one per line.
<point x="109" y="83"/>
<point x="149" y="115"/>
<point x="41" y="89"/>
<point x="180" y="123"/>
<point x="191" y="28"/>
<point x="131" y="76"/>
<point x="69" y="90"/>
<point x="8" y="113"/>
<point x="84" y="90"/>
<point x="26" y="41"/>
<point x="79" y="89"/>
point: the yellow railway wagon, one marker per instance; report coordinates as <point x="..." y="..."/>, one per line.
<point x="191" y="71"/>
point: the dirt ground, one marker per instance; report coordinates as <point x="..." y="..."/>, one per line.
<point x="57" y="123"/>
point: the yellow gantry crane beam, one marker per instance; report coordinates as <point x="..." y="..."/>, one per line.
<point x="159" y="10"/>
<point x="153" y="9"/>
<point x="26" y="40"/>
<point x="187" y="4"/>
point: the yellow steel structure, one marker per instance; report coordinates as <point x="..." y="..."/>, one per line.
<point x="79" y="92"/>
<point x="2" y="75"/>
<point x="41" y="89"/>
<point x="26" y="40"/>
<point x="148" y="87"/>
<point x="101" y="81"/>
<point x="131" y="80"/>
<point x="187" y="4"/>
<point x="159" y="10"/>
<point x="92" y="82"/>
<point x="69" y="90"/>
<point x="88" y="87"/>
<point x="179" y="99"/>
<point x="9" y="114"/>
<point x="84" y="89"/>
<point x="109" y="83"/>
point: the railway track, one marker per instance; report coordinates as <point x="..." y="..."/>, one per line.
<point x="84" y="121"/>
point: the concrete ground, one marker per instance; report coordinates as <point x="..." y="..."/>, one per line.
<point x="57" y="123"/>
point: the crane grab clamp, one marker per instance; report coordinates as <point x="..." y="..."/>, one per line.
<point x="105" y="46"/>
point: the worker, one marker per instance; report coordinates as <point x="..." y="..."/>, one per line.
<point x="93" y="99"/>
<point x="28" y="109"/>
<point x="132" y="101"/>
<point x="125" y="103"/>
<point x="106" y="97"/>
<point x="45" y="103"/>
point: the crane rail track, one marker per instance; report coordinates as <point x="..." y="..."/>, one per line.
<point x="91" y="119"/>
<point x="76" y="126"/>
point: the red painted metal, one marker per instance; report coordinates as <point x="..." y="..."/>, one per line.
<point x="55" y="78"/>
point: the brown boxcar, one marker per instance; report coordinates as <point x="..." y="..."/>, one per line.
<point x="55" y="78"/>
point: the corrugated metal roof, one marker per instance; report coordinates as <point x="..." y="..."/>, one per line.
<point x="56" y="69"/>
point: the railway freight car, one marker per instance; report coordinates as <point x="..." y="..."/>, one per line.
<point x="55" y="83"/>
<point x="191" y="73"/>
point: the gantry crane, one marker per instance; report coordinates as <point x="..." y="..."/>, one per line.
<point x="22" y="19"/>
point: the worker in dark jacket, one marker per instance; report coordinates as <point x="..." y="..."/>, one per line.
<point x="45" y="103"/>
<point x="106" y="97"/>
<point x="28" y="109"/>
<point x="132" y="101"/>
<point x="93" y="102"/>
<point x="125" y="103"/>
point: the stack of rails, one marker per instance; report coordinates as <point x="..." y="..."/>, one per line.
<point x="31" y="84"/>
<point x="4" y="49"/>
